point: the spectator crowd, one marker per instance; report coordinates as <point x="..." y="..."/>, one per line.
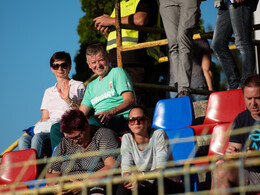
<point x="68" y="126"/>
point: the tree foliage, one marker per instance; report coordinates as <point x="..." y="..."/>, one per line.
<point x="88" y="34"/>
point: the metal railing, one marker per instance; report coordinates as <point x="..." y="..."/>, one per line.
<point x="113" y="176"/>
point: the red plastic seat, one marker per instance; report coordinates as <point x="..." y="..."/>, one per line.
<point x="219" y="139"/>
<point x="218" y="142"/>
<point x="6" y="189"/>
<point x="222" y="107"/>
<point x="12" y="172"/>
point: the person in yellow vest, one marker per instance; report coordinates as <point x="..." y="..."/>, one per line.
<point x="134" y="12"/>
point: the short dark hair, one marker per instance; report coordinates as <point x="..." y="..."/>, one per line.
<point x="73" y="120"/>
<point x="141" y="108"/>
<point x="60" y="55"/>
<point x="94" y="49"/>
<point x="251" y="81"/>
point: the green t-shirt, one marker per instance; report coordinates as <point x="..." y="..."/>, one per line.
<point x="106" y="94"/>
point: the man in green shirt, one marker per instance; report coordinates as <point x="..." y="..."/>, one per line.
<point x="111" y="94"/>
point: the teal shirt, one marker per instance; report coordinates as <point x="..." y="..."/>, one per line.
<point x="106" y="94"/>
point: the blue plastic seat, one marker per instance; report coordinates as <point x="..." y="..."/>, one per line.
<point x="182" y="142"/>
<point x="173" y="113"/>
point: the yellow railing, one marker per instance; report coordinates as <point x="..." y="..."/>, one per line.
<point x="113" y="176"/>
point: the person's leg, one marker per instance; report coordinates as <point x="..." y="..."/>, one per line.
<point x="222" y="34"/>
<point x="94" y="120"/>
<point x="55" y="135"/>
<point x="25" y="142"/>
<point x="39" y="142"/>
<point x="119" y="125"/>
<point x="171" y="187"/>
<point x="189" y="17"/>
<point x="170" y="13"/>
<point x="224" y="178"/>
<point x="121" y="190"/>
<point x="241" y="20"/>
<point x="144" y="188"/>
<point x="252" y="177"/>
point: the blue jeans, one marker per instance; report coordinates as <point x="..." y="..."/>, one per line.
<point x="238" y="19"/>
<point x="38" y="142"/>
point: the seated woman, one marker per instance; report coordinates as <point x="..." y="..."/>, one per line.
<point x="80" y="137"/>
<point x="147" y="149"/>
<point x="64" y="95"/>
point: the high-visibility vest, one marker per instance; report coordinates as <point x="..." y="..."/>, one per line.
<point x="129" y="37"/>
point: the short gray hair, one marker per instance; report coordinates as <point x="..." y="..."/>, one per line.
<point x="94" y="49"/>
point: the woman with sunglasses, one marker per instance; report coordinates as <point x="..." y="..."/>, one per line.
<point x="64" y="95"/>
<point x="147" y="150"/>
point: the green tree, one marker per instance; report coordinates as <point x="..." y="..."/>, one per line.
<point x="88" y="34"/>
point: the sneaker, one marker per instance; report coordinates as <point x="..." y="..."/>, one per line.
<point x="184" y="93"/>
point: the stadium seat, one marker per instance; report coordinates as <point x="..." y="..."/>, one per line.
<point x="183" y="148"/>
<point x="219" y="139"/>
<point x="173" y="113"/>
<point x="182" y="144"/>
<point x="12" y="189"/>
<point x="12" y="172"/>
<point x="222" y="107"/>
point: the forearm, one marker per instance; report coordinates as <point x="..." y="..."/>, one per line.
<point x="208" y="76"/>
<point x="85" y="109"/>
<point x="101" y="173"/>
<point x="50" y="178"/>
<point x="139" y="19"/>
<point x="125" y="105"/>
<point x="205" y="65"/>
<point x="45" y="115"/>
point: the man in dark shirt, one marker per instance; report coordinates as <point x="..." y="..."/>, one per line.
<point x="229" y="177"/>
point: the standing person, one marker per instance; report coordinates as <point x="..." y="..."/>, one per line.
<point x="148" y="150"/>
<point x="225" y="178"/>
<point x="179" y="19"/>
<point x="234" y="18"/>
<point x="111" y="95"/>
<point x="65" y="94"/>
<point x="201" y="77"/>
<point x="80" y="137"/>
<point x="134" y="12"/>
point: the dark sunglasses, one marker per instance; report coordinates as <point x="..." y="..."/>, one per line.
<point x="140" y="120"/>
<point x="57" y="66"/>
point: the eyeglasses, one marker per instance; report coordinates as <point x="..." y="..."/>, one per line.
<point x="57" y="66"/>
<point x="76" y="137"/>
<point x="139" y="119"/>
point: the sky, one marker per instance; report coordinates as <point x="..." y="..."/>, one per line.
<point x="30" y="32"/>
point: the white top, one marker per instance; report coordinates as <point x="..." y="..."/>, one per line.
<point x="55" y="105"/>
<point x="154" y="156"/>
